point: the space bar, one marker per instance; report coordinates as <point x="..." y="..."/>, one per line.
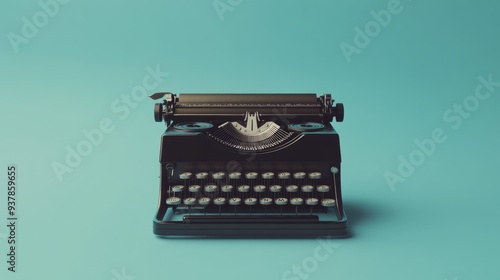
<point x="245" y="219"/>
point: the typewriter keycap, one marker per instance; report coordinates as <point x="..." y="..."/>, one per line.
<point x="226" y="188"/>
<point x="296" y="201"/>
<point x="328" y="202"/>
<point x="204" y="201"/>
<point x="251" y="175"/>
<point x="234" y="175"/>
<point x="275" y="188"/>
<point x="201" y="175"/>
<point x="173" y="201"/>
<point x="299" y="175"/>
<point x="268" y="175"/>
<point x="323" y="188"/>
<point x="281" y="201"/>
<point x="334" y="170"/>
<point x="250" y="201"/>
<point x="219" y="201"/>
<point x="312" y="201"/>
<point x="314" y="175"/>
<point x="235" y="201"/>
<point x="185" y="175"/>
<point x="259" y="188"/>
<point x="307" y="188"/>
<point x="194" y="188"/>
<point x="177" y="188"/>
<point x="244" y="188"/>
<point x="266" y="201"/>
<point x="189" y="201"/>
<point x="218" y="175"/>
<point x="292" y="188"/>
<point x="284" y="175"/>
<point x="210" y="188"/>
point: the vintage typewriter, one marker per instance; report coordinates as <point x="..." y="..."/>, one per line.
<point x="249" y="165"/>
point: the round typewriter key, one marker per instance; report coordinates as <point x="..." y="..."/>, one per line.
<point x="185" y="175"/>
<point x="292" y="188"/>
<point x="334" y="170"/>
<point x="299" y="175"/>
<point x="234" y="175"/>
<point x="250" y="201"/>
<point x="177" y="188"/>
<point x="173" y="201"/>
<point x="235" y="201"/>
<point x="314" y="175"/>
<point x="284" y="175"/>
<point x="210" y="188"/>
<point x="307" y="188"/>
<point x="281" y="201"/>
<point x="204" y="201"/>
<point x="328" y="202"/>
<point x="275" y="188"/>
<point x="323" y="188"/>
<point x="266" y="201"/>
<point x="259" y="188"/>
<point x="251" y="175"/>
<point x="267" y="175"/>
<point x="219" y="201"/>
<point x="194" y="188"/>
<point x="189" y="201"/>
<point x="202" y="175"/>
<point x="296" y="201"/>
<point x="312" y="201"/>
<point x="244" y="188"/>
<point x="226" y="188"/>
<point x="218" y="175"/>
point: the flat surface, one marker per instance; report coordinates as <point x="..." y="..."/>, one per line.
<point x="85" y="66"/>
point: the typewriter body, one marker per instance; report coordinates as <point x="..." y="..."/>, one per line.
<point x="249" y="165"/>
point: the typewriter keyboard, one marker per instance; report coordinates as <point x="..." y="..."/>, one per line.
<point x="252" y="192"/>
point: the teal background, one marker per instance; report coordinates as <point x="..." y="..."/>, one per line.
<point x="442" y="222"/>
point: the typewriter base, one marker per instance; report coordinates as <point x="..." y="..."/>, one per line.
<point x="213" y="225"/>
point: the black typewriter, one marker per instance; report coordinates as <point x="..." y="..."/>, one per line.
<point x="249" y="165"/>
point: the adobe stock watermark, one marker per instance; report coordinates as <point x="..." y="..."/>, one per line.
<point x="120" y="109"/>
<point x="363" y="37"/>
<point x="454" y="117"/>
<point x="31" y="26"/>
<point x="223" y="6"/>
<point x="121" y="275"/>
<point x="310" y="264"/>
